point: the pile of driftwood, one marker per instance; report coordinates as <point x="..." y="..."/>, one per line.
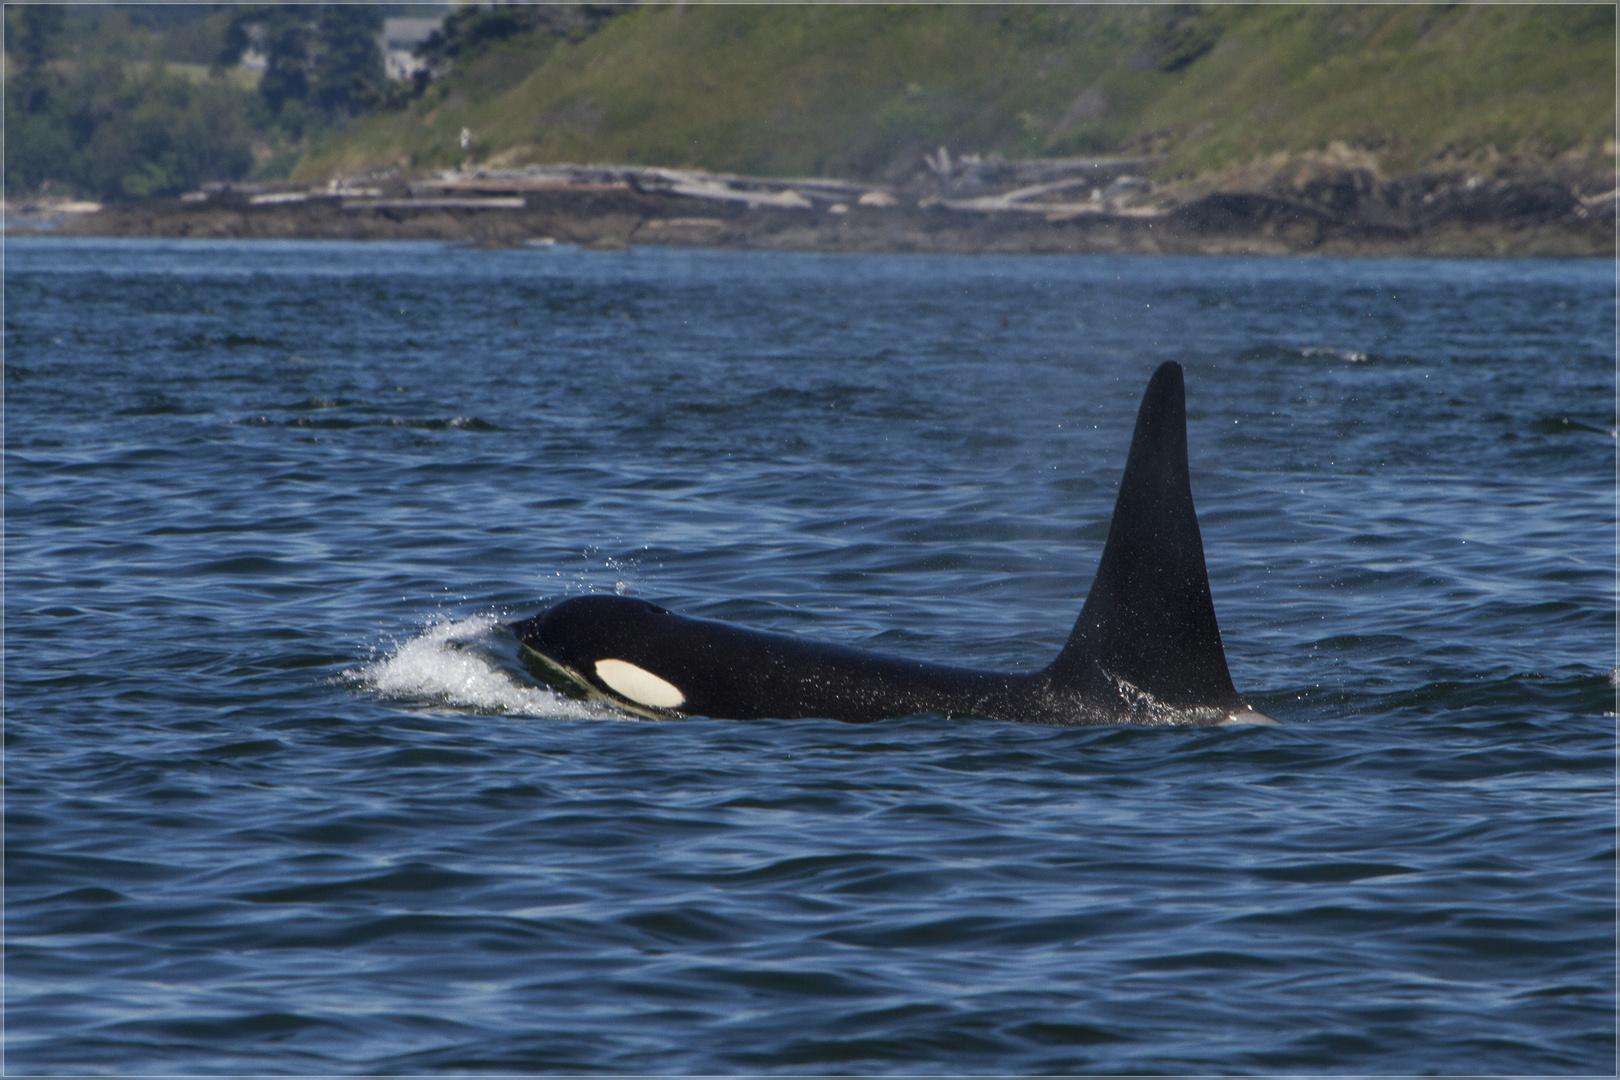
<point x="968" y="183"/>
<point x="752" y="191"/>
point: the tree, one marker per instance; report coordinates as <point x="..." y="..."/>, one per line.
<point x="470" y="30"/>
<point x="97" y="130"/>
<point x="285" y="41"/>
<point x="31" y="32"/>
<point x="347" y="73"/>
<point x="321" y="62"/>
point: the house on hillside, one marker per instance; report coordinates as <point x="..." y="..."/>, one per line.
<point x="400" y="37"/>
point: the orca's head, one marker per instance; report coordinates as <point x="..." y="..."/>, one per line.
<point x="604" y="645"/>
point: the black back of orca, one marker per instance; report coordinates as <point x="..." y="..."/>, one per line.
<point x="1146" y="648"/>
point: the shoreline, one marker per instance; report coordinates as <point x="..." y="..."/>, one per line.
<point x="1332" y="212"/>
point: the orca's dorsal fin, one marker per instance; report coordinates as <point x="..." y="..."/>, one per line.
<point x="1149" y="620"/>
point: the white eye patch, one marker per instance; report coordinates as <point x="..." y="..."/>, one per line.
<point x="639" y="685"/>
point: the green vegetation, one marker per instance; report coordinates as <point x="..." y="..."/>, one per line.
<point x="101" y="131"/>
<point x="1407" y="83"/>
<point x="864" y="91"/>
<point x="90" y="110"/>
<point x="125" y="101"/>
<point x="322" y="64"/>
<point x="469" y="31"/>
<point x="120" y="102"/>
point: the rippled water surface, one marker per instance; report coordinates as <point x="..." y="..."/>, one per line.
<point x="281" y="798"/>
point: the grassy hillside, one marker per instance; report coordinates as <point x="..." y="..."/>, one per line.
<point x="863" y="92"/>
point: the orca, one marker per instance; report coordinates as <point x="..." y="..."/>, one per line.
<point x="1145" y="650"/>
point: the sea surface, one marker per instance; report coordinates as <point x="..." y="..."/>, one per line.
<point x="280" y="797"/>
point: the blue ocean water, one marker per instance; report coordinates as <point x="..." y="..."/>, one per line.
<point x="280" y="797"/>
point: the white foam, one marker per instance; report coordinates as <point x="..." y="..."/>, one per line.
<point x="1349" y="355"/>
<point x="457" y="664"/>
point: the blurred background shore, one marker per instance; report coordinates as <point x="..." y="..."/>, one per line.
<point x="1178" y="129"/>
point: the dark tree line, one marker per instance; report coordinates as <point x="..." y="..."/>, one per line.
<point x="108" y="127"/>
<point x="90" y="119"/>
<point x="86" y="115"/>
<point x="322" y="64"/>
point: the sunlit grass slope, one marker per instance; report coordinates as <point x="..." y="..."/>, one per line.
<point x="862" y="91"/>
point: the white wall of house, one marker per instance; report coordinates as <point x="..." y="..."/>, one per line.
<point x="399" y="38"/>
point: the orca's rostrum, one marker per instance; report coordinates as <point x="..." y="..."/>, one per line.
<point x="1145" y="650"/>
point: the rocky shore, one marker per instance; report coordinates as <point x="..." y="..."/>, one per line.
<point x="1322" y="204"/>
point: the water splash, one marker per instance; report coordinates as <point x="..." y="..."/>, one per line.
<point x="465" y="664"/>
<point x="1351" y="356"/>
